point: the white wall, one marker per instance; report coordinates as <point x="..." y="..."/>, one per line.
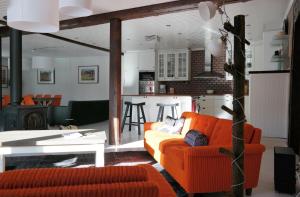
<point x="66" y="80"/>
<point x="269" y="50"/>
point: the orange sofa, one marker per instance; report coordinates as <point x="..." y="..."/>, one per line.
<point x="128" y="181"/>
<point x="203" y="169"/>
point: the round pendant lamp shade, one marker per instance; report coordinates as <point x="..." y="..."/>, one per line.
<point x="41" y="16"/>
<point x="41" y="62"/>
<point x="216" y="47"/>
<point x="76" y="8"/>
<point x="207" y="10"/>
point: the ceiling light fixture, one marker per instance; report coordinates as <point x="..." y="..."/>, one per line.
<point x="33" y="15"/>
<point x="207" y="10"/>
<point x="76" y="8"/>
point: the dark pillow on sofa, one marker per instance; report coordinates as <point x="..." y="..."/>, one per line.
<point x="195" y="138"/>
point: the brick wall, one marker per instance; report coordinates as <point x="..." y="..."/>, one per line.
<point x="199" y="86"/>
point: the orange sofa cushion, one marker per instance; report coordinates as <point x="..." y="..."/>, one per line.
<point x="130" y="189"/>
<point x="222" y="133"/>
<point x="52" y="177"/>
<point x="203" y="123"/>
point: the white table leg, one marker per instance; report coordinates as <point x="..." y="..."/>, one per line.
<point x="99" y="159"/>
<point x="2" y="163"/>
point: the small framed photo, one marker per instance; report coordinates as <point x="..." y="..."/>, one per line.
<point x="88" y="74"/>
<point x="5" y="80"/>
<point x="46" y="76"/>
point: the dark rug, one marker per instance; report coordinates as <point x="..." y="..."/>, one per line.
<point x="88" y="160"/>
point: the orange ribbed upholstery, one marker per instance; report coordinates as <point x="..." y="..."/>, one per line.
<point x="132" y="189"/>
<point x="70" y="176"/>
<point x="127" y="181"/>
<point x="203" y="123"/>
<point x="222" y="133"/>
<point x="203" y="169"/>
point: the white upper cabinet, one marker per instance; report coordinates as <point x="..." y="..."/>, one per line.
<point x="174" y="65"/>
<point x="146" y="60"/>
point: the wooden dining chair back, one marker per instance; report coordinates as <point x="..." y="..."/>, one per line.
<point x="47" y="102"/>
<point x="38" y="96"/>
<point x="57" y="100"/>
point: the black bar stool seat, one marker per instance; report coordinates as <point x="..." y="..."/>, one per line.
<point x="140" y="115"/>
<point x="160" y="115"/>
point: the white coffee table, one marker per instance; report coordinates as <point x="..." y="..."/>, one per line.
<point x="51" y="142"/>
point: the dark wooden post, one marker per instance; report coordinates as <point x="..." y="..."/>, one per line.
<point x="15" y="66"/>
<point x="238" y="106"/>
<point x="238" y="72"/>
<point x="115" y="81"/>
<point x="1" y="74"/>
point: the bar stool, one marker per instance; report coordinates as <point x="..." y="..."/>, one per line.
<point x="139" y="106"/>
<point x="161" y="110"/>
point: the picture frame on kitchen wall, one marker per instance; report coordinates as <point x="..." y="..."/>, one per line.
<point x="46" y="76"/>
<point x="88" y="74"/>
<point x="5" y="80"/>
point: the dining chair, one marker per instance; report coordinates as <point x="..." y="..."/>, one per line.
<point x="5" y="100"/>
<point x="38" y="96"/>
<point x="28" y="101"/>
<point x="57" y="100"/>
<point x="48" y="100"/>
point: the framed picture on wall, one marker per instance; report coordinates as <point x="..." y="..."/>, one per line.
<point x="5" y="80"/>
<point x="88" y="74"/>
<point x="46" y="76"/>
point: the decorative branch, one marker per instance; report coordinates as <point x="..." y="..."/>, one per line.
<point x="230" y="111"/>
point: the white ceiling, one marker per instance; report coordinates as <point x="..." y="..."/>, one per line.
<point x="186" y="29"/>
<point x="102" y="6"/>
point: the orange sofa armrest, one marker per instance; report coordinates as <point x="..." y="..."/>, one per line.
<point x="148" y="126"/>
<point x="52" y="177"/>
<point x="207" y="161"/>
<point x="133" y="189"/>
<point x="256" y="136"/>
<point x="214" y="151"/>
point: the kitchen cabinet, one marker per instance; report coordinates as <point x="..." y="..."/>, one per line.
<point x="146" y="60"/>
<point x="132" y="63"/>
<point x="269" y="102"/>
<point x="211" y="105"/>
<point x="174" y="65"/>
<point x="130" y="73"/>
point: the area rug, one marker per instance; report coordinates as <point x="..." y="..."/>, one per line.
<point x="131" y="158"/>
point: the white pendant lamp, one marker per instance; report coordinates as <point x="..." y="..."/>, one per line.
<point x="76" y="8"/>
<point x="42" y="62"/>
<point x="40" y="16"/>
<point x="216" y="47"/>
<point x="207" y="10"/>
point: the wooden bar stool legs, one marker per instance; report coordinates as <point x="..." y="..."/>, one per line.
<point x="160" y="115"/>
<point x="140" y="115"/>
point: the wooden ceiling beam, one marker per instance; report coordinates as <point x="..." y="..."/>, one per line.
<point x="135" y="13"/>
<point x="129" y="14"/>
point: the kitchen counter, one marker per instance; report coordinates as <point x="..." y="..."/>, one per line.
<point x="167" y="94"/>
<point x="151" y="101"/>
